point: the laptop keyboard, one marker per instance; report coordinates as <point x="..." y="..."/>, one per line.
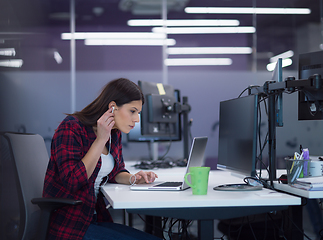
<point x="169" y="184"/>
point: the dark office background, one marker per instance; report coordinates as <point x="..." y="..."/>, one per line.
<point x="35" y="97"/>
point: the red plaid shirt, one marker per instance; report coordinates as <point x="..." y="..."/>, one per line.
<point x="66" y="178"/>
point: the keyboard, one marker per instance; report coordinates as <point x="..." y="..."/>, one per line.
<point x="169" y="184"/>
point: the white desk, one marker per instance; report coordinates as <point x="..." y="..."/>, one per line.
<point x="184" y="205"/>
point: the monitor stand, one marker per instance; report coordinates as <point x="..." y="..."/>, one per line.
<point x="238" y="187"/>
<point x="154" y="150"/>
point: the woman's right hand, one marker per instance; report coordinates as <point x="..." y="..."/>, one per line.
<point x="104" y="125"/>
<point x="103" y="130"/>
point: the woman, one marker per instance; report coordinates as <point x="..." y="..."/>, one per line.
<point x="86" y="152"/>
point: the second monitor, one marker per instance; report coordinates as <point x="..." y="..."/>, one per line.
<point x="238" y="134"/>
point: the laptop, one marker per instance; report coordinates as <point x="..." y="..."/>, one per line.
<point x="195" y="159"/>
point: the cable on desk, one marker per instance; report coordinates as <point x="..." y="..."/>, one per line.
<point x="161" y="164"/>
<point x="256" y="181"/>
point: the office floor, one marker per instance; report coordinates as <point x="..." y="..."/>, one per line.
<point x="118" y="216"/>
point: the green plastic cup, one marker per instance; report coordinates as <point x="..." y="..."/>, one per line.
<point x="199" y="179"/>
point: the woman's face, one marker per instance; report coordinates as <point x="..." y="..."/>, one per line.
<point x="127" y="115"/>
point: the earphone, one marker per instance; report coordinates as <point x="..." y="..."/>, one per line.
<point x="110" y="135"/>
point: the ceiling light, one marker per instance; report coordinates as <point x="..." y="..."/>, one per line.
<point x="17" y="63"/>
<point x="109" y="35"/>
<point x="203" y="30"/>
<point x="209" y="50"/>
<point x="183" y="22"/>
<point x="284" y="55"/>
<point x="197" y="61"/>
<point x="285" y="63"/>
<point x="58" y="58"/>
<point x="98" y="11"/>
<point x="151" y="7"/>
<point x="130" y="42"/>
<point x="7" y="52"/>
<point x="246" y="10"/>
<point x="60" y="16"/>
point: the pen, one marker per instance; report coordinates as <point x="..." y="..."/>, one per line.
<point x="297" y="173"/>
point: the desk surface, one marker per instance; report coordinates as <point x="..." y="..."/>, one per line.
<point x="121" y="197"/>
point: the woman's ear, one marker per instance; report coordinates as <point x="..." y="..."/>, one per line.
<point x="112" y="104"/>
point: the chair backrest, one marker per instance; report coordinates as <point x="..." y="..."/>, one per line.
<point x="30" y="157"/>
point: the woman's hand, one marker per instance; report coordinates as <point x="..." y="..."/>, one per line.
<point x="103" y="131"/>
<point x="104" y="125"/>
<point x="143" y="177"/>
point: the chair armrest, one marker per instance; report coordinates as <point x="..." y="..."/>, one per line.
<point x="47" y="206"/>
<point x="54" y="203"/>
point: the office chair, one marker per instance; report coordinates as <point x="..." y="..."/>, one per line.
<point x="24" y="214"/>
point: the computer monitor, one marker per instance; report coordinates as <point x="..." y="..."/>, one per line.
<point x="310" y="98"/>
<point x="238" y="135"/>
<point x="159" y="119"/>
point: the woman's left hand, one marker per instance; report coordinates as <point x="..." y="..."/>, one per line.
<point x="144" y="177"/>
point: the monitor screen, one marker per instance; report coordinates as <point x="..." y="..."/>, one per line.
<point x="159" y="120"/>
<point x="238" y="134"/>
<point x="310" y="100"/>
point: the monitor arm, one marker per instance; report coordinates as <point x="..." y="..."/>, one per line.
<point x="271" y="89"/>
<point x="184" y="109"/>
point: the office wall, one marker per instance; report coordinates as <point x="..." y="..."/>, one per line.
<point x="36" y="102"/>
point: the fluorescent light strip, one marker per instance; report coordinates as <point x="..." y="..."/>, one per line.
<point x="109" y="35"/>
<point x="129" y="42"/>
<point x="58" y="58"/>
<point x="208" y="50"/>
<point x="284" y="55"/>
<point x="183" y="22"/>
<point x="7" y="52"/>
<point x="246" y="10"/>
<point x="17" y="63"/>
<point x="285" y="63"/>
<point x="203" y="30"/>
<point x="197" y="61"/>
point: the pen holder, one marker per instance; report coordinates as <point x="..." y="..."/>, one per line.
<point x="296" y="169"/>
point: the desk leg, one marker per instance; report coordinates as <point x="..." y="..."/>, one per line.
<point x="127" y="218"/>
<point x="205" y="229"/>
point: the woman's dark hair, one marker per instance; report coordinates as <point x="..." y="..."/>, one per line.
<point x="120" y="90"/>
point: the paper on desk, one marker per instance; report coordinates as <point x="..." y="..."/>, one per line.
<point x="268" y="194"/>
<point x="311" y="180"/>
<point x="310" y="183"/>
